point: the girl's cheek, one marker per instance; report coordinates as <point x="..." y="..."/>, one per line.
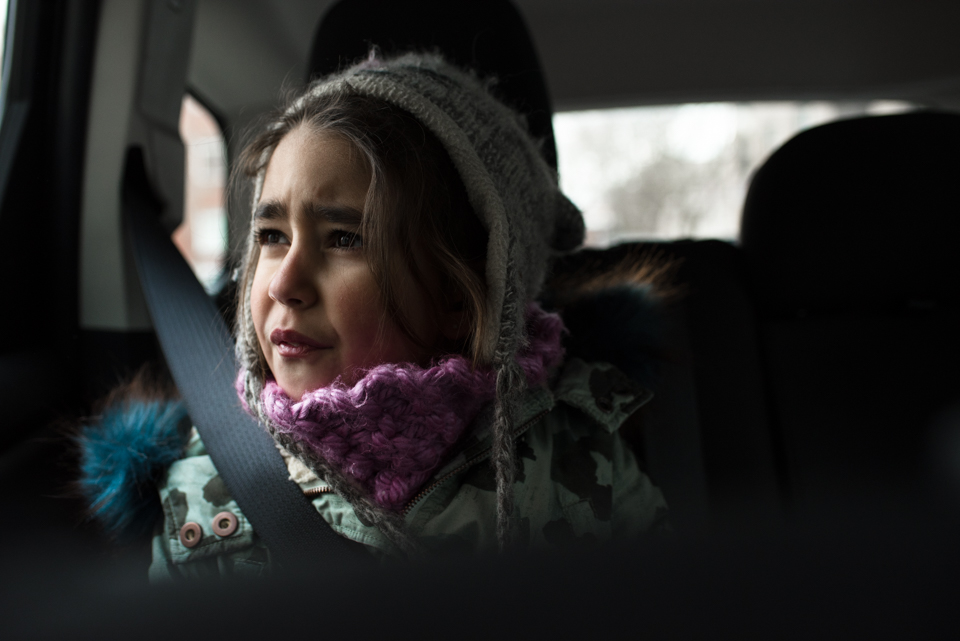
<point x="260" y="305"/>
<point x="358" y="308"/>
<point x="356" y="313"/>
<point x="375" y="336"/>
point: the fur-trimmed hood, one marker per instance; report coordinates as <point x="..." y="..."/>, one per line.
<point x="124" y="451"/>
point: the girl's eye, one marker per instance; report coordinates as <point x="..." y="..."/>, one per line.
<point x="346" y="240"/>
<point x="270" y="237"/>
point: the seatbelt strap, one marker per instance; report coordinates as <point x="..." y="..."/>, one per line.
<point x="199" y="351"/>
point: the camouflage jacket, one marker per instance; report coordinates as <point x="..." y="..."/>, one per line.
<point x="576" y="481"/>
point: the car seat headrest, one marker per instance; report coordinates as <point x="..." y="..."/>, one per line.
<point x="487" y="36"/>
<point x="859" y="215"/>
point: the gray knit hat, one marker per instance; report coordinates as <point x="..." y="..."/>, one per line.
<point x="513" y="192"/>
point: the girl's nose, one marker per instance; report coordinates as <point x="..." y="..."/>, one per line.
<point x="292" y="284"/>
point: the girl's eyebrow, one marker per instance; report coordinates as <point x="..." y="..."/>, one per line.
<point x="270" y="210"/>
<point x="334" y="214"/>
<point x="337" y="214"/>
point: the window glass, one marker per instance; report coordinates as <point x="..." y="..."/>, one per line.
<point x="3" y="23"/>
<point x="677" y="171"/>
<point x="202" y="236"/>
<point x="4" y="72"/>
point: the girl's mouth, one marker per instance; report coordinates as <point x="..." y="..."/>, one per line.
<point x="291" y="344"/>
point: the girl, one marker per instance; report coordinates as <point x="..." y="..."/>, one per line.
<point x="402" y="226"/>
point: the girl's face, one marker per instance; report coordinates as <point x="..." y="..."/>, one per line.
<point x="316" y="307"/>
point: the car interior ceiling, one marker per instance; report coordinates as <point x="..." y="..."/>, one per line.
<point x="811" y="363"/>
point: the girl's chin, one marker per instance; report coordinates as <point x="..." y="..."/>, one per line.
<point x="295" y="388"/>
<point x="295" y="382"/>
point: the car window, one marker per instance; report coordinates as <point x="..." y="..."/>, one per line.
<point x="4" y="59"/>
<point x="678" y="171"/>
<point x="202" y="236"/>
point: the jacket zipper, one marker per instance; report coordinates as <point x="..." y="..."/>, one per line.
<point x="317" y="491"/>
<point x="473" y="461"/>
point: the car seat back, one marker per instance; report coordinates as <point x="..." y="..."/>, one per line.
<point x="487" y="36"/>
<point x="849" y="238"/>
<point x="705" y="438"/>
<point x="717" y="317"/>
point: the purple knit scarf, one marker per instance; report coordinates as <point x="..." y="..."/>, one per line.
<point x="393" y="429"/>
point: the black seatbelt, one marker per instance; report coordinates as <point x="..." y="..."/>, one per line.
<point x="199" y="351"/>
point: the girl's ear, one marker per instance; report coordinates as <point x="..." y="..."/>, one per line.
<point x="454" y="320"/>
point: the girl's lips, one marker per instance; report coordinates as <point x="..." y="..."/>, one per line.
<point x="291" y="344"/>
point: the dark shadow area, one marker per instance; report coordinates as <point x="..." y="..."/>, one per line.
<point x="878" y="574"/>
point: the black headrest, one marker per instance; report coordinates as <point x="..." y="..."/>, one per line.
<point x="488" y="36"/>
<point x="858" y="215"/>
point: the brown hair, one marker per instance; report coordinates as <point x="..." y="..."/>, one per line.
<point x="417" y="212"/>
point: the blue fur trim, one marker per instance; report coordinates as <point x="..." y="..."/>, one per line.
<point x="620" y="325"/>
<point x="122" y="458"/>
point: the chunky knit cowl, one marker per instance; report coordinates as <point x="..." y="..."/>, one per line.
<point x="388" y="433"/>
